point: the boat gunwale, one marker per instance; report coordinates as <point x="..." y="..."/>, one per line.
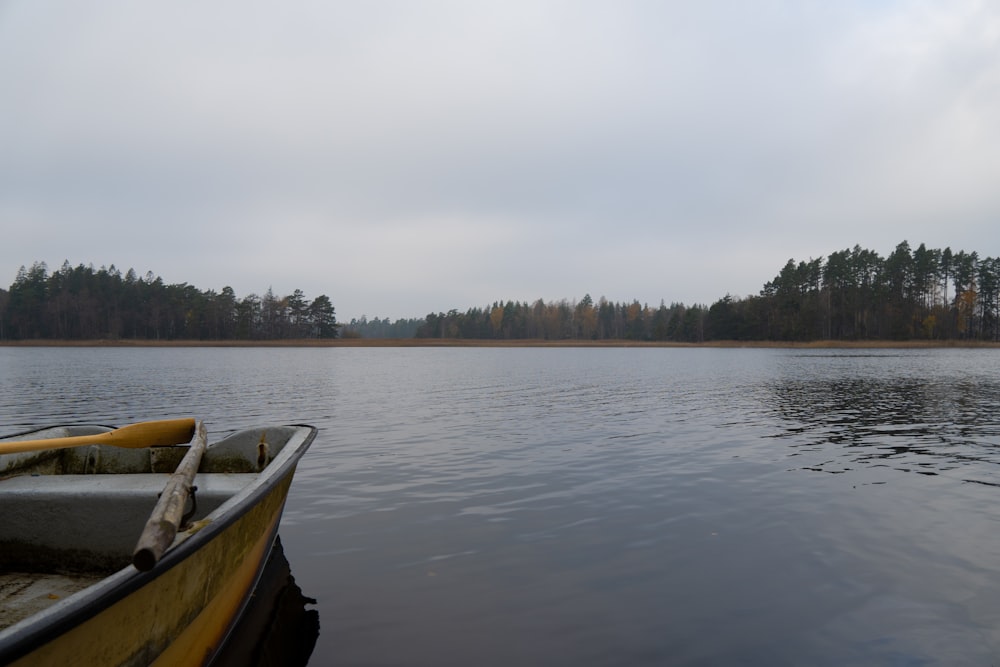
<point x="27" y="635"/>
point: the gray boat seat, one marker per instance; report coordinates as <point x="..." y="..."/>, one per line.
<point x="95" y="518"/>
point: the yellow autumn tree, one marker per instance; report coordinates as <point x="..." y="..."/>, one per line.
<point x="586" y="318"/>
<point x="496" y="319"/>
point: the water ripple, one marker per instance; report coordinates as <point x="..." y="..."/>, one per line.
<point x="640" y="506"/>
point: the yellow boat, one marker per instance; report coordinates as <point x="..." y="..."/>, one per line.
<point x="82" y="578"/>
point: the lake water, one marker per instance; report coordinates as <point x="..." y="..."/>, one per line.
<point x="603" y="506"/>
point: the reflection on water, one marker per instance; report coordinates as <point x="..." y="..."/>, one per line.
<point x="276" y="629"/>
<point x="925" y="425"/>
<point x="602" y="506"/>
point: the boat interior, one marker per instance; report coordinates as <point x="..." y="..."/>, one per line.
<point x="72" y="516"/>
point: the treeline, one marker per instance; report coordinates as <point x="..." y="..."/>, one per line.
<point x="381" y="328"/>
<point x="855" y="294"/>
<point x="564" y="319"/>
<point x="82" y="303"/>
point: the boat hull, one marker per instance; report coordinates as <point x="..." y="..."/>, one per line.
<point x="181" y="611"/>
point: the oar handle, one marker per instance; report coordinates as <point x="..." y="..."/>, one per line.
<point x="164" y="522"/>
<point x="144" y="434"/>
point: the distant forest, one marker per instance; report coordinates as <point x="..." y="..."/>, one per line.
<point x="852" y="294"/>
<point x="381" y="328"/>
<point x="83" y="303"/>
<point x="855" y="294"/>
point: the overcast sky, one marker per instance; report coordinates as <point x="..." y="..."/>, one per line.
<point x="409" y="157"/>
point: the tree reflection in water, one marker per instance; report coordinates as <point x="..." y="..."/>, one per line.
<point x="906" y="424"/>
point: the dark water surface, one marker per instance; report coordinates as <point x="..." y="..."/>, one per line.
<point x="603" y="506"/>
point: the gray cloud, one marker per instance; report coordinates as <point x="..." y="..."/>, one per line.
<point x="408" y="157"/>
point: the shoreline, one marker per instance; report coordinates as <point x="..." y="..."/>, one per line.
<point x="460" y="342"/>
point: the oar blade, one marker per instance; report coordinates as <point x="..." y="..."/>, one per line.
<point x="160" y="433"/>
<point x="135" y="436"/>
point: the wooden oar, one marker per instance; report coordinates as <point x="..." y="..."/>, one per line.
<point x="163" y="523"/>
<point x="144" y="434"/>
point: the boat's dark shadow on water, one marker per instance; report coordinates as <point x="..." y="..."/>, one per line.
<point x="276" y="628"/>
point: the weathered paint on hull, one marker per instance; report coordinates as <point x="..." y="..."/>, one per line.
<point x="181" y="615"/>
